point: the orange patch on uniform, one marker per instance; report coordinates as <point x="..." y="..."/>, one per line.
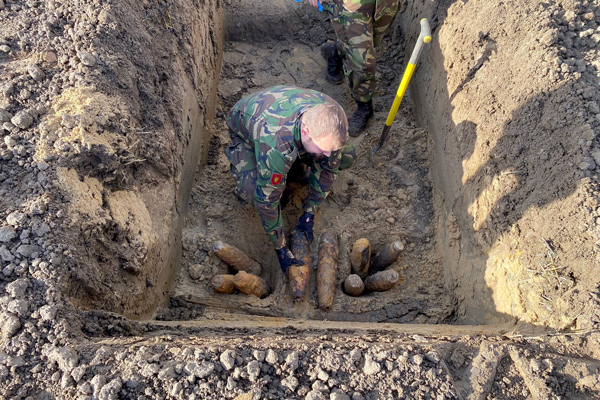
<point x="276" y="179"/>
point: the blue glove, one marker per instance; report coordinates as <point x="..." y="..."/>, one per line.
<point x="305" y="224"/>
<point x="320" y="6"/>
<point x="286" y="259"/>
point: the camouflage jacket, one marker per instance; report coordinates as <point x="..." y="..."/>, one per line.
<point x="269" y="120"/>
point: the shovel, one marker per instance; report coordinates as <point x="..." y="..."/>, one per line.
<point x="424" y="37"/>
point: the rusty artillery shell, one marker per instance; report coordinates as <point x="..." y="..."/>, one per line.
<point x="382" y="281"/>
<point x="353" y="285"/>
<point x="223" y="283"/>
<point x="327" y="270"/>
<point x="236" y="258"/>
<point x="251" y="284"/>
<point x="298" y="274"/>
<point x="386" y="256"/>
<point x="360" y="257"/>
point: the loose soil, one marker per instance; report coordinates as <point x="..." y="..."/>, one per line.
<point x="114" y="187"/>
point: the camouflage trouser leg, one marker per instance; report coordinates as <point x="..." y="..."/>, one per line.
<point x="360" y="26"/>
<point x="243" y="168"/>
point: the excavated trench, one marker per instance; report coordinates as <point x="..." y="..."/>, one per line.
<point x="460" y="180"/>
<point x="383" y="198"/>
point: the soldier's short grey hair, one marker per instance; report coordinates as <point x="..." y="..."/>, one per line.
<point x="327" y="119"/>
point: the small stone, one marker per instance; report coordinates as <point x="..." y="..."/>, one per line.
<point x="253" y="370"/>
<point x="1" y="4"/>
<point x="49" y="56"/>
<point x="7" y="89"/>
<point x="9" y="127"/>
<point x="17" y="288"/>
<point x="320" y="386"/>
<point x="195" y="271"/>
<point x="24" y="94"/>
<point x="338" y="396"/>
<point x="587" y="163"/>
<point x="259" y="355"/>
<point x="272" y="357"/>
<point x="48" y="312"/>
<point x="29" y="250"/>
<point x="7" y="233"/>
<point x="16" y="218"/>
<point x="550" y="37"/>
<point x="18" y="307"/>
<point x="4" y="48"/>
<point x="167" y="373"/>
<point x="589" y="92"/>
<point x="87" y="59"/>
<point x="35" y="72"/>
<point x="371" y="366"/>
<point x="314" y="395"/>
<point x="290" y="383"/>
<point x="111" y="390"/>
<point x="587" y="132"/>
<point x="5" y="116"/>
<point x="228" y="359"/>
<point x="66" y="358"/>
<point x="5" y="254"/>
<point x="417" y="359"/>
<point x="9" y="325"/>
<point x="176" y="389"/>
<point x="22" y="119"/>
<point x="292" y="361"/>
<point x="78" y="373"/>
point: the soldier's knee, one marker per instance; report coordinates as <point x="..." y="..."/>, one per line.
<point x="348" y="156"/>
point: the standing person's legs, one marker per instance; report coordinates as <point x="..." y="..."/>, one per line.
<point x="352" y="22"/>
<point x="243" y="168"/>
<point x="385" y="12"/>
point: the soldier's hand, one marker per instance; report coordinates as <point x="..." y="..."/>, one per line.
<point x="286" y="259"/>
<point x="305" y="225"/>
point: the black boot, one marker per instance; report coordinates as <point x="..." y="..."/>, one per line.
<point x="335" y="73"/>
<point x="358" y="121"/>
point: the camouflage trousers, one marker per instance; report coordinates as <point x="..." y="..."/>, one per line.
<point x="243" y="166"/>
<point x="360" y="26"/>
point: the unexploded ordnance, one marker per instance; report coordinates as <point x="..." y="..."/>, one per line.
<point x="251" y="284"/>
<point x="298" y="274"/>
<point x="236" y="258"/>
<point x="327" y="270"/>
<point x="386" y="256"/>
<point x="354" y="285"/>
<point x="382" y="281"/>
<point x="360" y="257"/>
<point x="223" y="283"/>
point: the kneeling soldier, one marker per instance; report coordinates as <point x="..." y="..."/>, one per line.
<point x="270" y="130"/>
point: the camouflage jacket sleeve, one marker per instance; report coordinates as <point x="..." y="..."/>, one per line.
<point x="321" y="179"/>
<point x="273" y="162"/>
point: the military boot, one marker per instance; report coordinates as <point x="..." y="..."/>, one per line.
<point x="335" y="73"/>
<point x="358" y="121"/>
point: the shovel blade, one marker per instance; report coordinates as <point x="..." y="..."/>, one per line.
<point x="382" y="139"/>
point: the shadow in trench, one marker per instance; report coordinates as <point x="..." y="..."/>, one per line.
<point x="495" y="189"/>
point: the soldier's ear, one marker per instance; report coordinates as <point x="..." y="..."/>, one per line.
<point x="304" y="130"/>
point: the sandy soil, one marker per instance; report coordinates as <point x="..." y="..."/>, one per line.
<point x="489" y="179"/>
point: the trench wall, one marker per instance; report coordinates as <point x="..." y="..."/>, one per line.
<point x="507" y="123"/>
<point x="126" y="188"/>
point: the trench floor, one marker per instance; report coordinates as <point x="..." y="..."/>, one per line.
<point x="382" y="198"/>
